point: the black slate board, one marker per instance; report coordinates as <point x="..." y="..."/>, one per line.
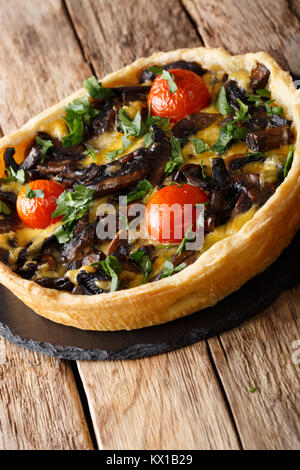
<point x="22" y="326"/>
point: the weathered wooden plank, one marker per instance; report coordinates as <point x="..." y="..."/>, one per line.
<point x="114" y="34"/>
<point x="41" y="62"/>
<point x="39" y="403"/>
<point x="165" y="402"/>
<point x="171" y="401"/>
<point x="259" y="352"/>
<point x="245" y="26"/>
<point x="295" y="6"/>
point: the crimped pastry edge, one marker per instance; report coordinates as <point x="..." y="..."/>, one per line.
<point x="223" y="268"/>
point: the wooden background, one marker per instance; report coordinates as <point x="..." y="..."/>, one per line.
<point x="194" y="398"/>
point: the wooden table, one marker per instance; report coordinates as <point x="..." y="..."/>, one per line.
<point x="197" y="397"/>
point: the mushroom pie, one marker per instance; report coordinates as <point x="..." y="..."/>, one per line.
<point x="152" y="193"/>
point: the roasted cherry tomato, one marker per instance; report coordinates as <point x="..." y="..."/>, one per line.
<point x="190" y="97"/>
<point x="36" y="212"/>
<point x="172" y="210"/>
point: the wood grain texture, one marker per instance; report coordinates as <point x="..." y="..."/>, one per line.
<point x="243" y="26"/>
<point x="41" y="62"/>
<point x="39" y="403"/>
<point x="260" y="354"/>
<point x="115" y="33"/>
<point x="171" y="401"/>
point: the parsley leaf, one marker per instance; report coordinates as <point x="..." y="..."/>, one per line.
<point x="252" y="390"/>
<point x="45" y="145"/>
<point x="148" y="139"/>
<point x="202" y="170"/>
<point x="242" y="114"/>
<point x="170" y="79"/>
<point x="13" y="175"/>
<point x="4" y="209"/>
<point x="170" y="269"/>
<point x="116" y="153"/>
<point x="200" y="146"/>
<point x="278" y="110"/>
<point x="142" y="259"/>
<point x="176" y="159"/>
<point x="90" y="152"/>
<point x="78" y="113"/>
<point x="222" y="103"/>
<point x="263" y="93"/>
<point x="165" y="75"/>
<point x="289" y="161"/>
<point x="188" y="237"/>
<point x="143" y="188"/>
<point x="260" y="93"/>
<point x="227" y="135"/>
<point x="132" y="127"/>
<point x="113" y="268"/>
<point x="97" y="90"/>
<point x="72" y="205"/>
<point x="156" y="70"/>
<point x="32" y="193"/>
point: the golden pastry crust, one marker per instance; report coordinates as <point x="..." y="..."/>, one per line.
<point x="219" y="271"/>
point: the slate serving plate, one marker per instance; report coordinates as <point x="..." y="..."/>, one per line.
<point x="22" y="326"/>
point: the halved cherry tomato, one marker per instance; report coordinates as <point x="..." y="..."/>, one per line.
<point x="36" y="212"/>
<point x="172" y="210"/>
<point x="190" y="97"/>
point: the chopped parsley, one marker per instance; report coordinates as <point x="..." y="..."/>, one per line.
<point x="4" y="209"/>
<point x="129" y="126"/>
<point x="222" y="103"/>
<point x="289" y="161"/>
<point x="189" y="234"/>
<point x="45" y="146"/>
<point x="113" y="154"/>
<point x="242" y="114"/>
<point x="252" y="390"/>
<point x="143" y="261"/>
<point x="176" y="159"/>
<point x="113" y="268"/>
<point x="278" y="110"/>
<point x="97" y="90"/>
<point x="78" y="113"/>
<point x="200" y="146"/>
<point x="13" y="175"/>
<point x="90" y="152"/>
<point x="170" y="269"/>
<point x="202" y="170"/>
<point x="72" y="205"/>
<point x="32" y="193"/>
<point x="227" y="135"/>
<point x="188" y="237"/>
<point x="256" y="99"/>
<point x="143" y="187"/>
<point x="165" y="75"/>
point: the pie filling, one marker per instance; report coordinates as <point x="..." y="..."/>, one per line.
<point x="236" y="151"/>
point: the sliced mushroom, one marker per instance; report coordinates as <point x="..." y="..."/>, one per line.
<point x="147" y="75"/>
<point x="194" y="123"/>
<point x="274" y="137"/>
<point x="259" y="76"/>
